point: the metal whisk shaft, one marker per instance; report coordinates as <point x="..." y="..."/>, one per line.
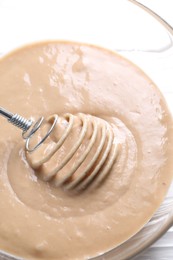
<point x="27" y="124"/>
<point x="20" y="122"/>
<point x="16" y="119"/>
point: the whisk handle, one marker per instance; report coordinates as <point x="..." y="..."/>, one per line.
<point x="27" y="124"/>
<point x="5" y="113"/>
<point x="16" y="119"/>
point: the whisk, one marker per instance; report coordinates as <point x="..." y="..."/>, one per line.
<point x="28" y="126"/>
<point x="98" y="167"/>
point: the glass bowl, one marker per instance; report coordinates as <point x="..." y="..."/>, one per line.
<point x="136" y="33"/>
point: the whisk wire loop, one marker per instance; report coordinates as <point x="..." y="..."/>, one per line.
<point x="35" y="128"/>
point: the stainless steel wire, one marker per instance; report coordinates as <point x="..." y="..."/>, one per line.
<point x="28" y="126"/>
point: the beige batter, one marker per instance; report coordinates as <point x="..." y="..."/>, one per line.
<point x="40" y="219"/>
